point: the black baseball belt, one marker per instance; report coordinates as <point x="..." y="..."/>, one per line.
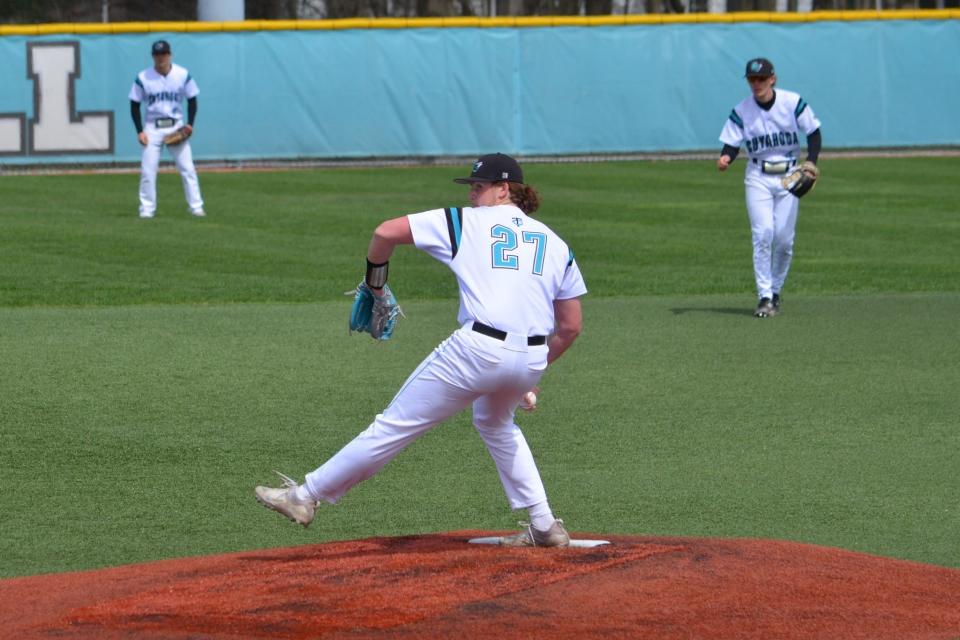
<point x="532" y="341"/>
<point x="161" y="123"/>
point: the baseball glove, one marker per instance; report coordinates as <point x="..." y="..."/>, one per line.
<point x="801" y="180"/>
<point x="373" y="314"/>
<point x="178" y="136"/>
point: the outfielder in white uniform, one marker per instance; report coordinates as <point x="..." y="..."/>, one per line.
<point x="163" y="87"/>
<point x="519" y="311"/>
<point x="768" y="124"/>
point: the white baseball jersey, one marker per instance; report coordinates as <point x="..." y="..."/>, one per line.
<point x="770" y="135"/>
<point x="163" y="95"/>
<point x="510" y="280"/>
<point x="510" y="268"/>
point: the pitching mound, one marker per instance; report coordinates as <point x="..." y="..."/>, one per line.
<point x="437" y="586"/>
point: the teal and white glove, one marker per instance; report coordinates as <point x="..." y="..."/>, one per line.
<point x="374" y="314"/>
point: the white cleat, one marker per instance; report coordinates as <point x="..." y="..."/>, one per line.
<point x="199" y="213"/>
<point x="555" y="536"/>
<point x="285" y="502"/>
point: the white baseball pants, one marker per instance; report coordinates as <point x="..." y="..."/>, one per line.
<point x="773" y="221"/>
<point x="466" y="368"/>
<point x="150" y="162"/>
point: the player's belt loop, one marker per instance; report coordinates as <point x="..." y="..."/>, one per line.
<point x="479" y="327"/>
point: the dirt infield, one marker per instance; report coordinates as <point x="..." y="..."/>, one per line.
<point x="437" y="586"/>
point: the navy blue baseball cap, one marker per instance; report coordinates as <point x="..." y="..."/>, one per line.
<point x="760" y="67"/>
<point x="494" y="167"/>
<point x="160" y="47"/>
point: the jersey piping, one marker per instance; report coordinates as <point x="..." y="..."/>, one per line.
<point x="735" y="118"/>
<point x="454" y="227"/>
<point x="801" y="105"/>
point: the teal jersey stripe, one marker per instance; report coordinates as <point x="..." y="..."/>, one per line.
<point x="801" y="105"/>
<point x="735" y="118"/>
<point x="189" y="78"/>
<point x="570" y="261"/>
<point x="138" y="83"/>
<point x="454" y="228"/>
<point x="457" y="219"/>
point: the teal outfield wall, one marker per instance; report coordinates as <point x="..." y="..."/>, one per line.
<point x="461" y="91"/>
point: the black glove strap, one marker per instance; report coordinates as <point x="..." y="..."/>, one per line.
<point x="377" y="274"/>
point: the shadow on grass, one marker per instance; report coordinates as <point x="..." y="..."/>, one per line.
<point x="733" y="311"/>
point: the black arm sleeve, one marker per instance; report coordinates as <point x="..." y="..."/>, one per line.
<point x="135" y="114"/>
<point x="191" y="110"/>
<point x="813" y="146"/>
<point x="730" y="151"/>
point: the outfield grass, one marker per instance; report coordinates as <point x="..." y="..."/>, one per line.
<point x="155" y="371"/>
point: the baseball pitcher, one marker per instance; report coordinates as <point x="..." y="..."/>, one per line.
<point x="519" y="311"/>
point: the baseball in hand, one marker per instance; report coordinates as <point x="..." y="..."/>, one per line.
<point x="529" y="401"/>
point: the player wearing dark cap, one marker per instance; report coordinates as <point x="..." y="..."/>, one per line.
<point x="164" y="87"/>
<point x="520" y="310"/>
<point x="769" y="123"/>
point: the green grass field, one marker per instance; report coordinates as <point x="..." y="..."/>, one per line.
<point x="155" y="371"/>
